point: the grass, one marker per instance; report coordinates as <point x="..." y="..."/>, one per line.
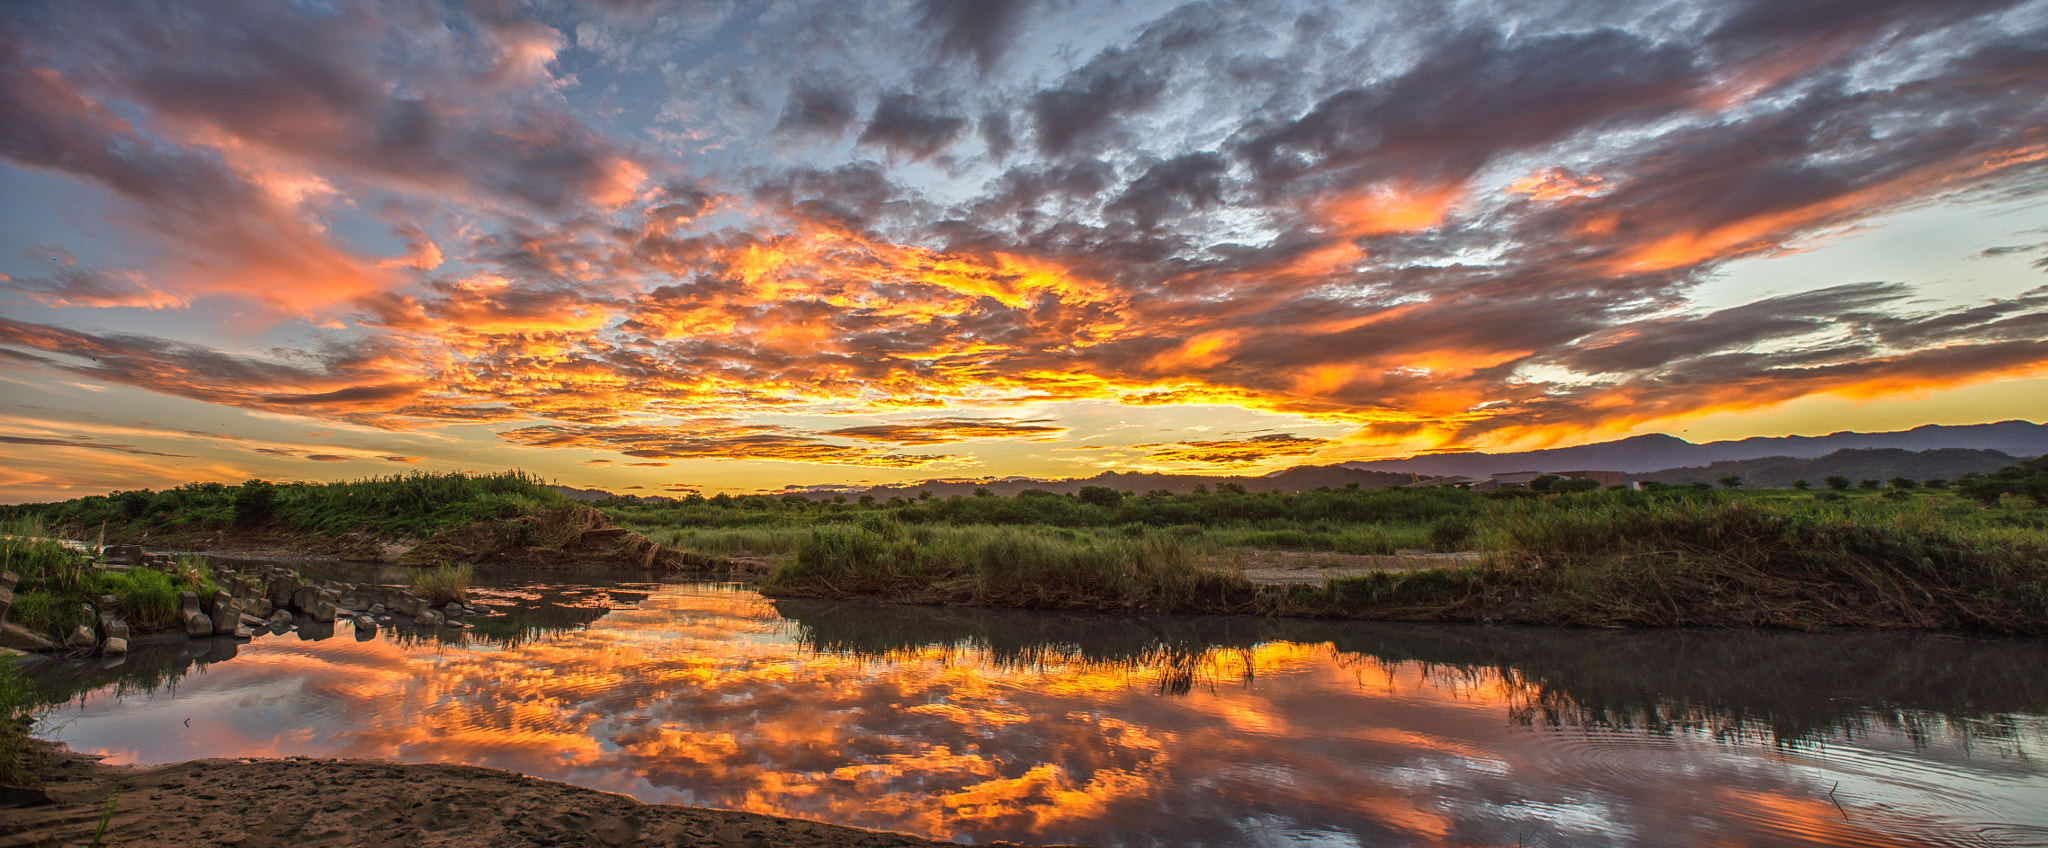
<point x="1891" y="559"/>
<point x="414" y="504"/>
<point x="57" y="583"/>
<point x="446" y="583"/>
<point x="998" y="566"/>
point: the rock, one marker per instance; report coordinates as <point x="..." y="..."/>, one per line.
<point x="253" y="620"/>
<point x="80" y="637"/>
<point x="106" y="606"/>
<point x="259" y="607"/>
<point x="6" y="600"/>
<point x="188" y="604"/>
<point x="224" y="612"/>
<point x="113" y="645"/>
<point x="408" y="604"/>
<point x="8" y="579"/>
<point x="115" y="629"/>
<point x="428" y="618"/>
<point x="321" y="611"/>
<point x="198" y="624"/>
<point x="304" y="597"/>
<point x="122" y="555"/>
<point x="281" y="588"/>
<point x="366" y="628"/>
<point x="377" y="609"/>
<point x="22" y="639"/>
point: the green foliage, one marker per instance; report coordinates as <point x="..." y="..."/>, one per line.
<point x="415" y="504"/>
<point x="2026" y="479"/>
<point x="1836" y="482"/>
<point x="446" y="583"/>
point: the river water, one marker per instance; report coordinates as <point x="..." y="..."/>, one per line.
<point x="979" y="725"/>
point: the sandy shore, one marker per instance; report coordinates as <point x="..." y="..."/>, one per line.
<point x="302" y="802"/>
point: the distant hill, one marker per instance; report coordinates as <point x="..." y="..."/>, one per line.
<point x="1777" y="472"/>
<point x="575" y="494"/>
<point x="1299" y="478"/>
<point x="1642" y="454"/>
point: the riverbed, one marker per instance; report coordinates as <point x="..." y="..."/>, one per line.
<point x="980" y="725"/>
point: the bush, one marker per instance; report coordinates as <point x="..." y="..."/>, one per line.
<point x="445" y="584"/>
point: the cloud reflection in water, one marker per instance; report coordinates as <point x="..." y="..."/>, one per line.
<point x="1045" y="727"/>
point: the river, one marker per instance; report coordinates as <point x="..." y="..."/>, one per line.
<point x="979" y="725"/>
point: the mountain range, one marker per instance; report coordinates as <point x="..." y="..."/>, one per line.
<point x="1933" y="451"/>
<point x="1658" y="452"/>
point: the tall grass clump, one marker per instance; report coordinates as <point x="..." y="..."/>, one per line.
<point x="1003" y="566"/>
<point x="446" y="583"/>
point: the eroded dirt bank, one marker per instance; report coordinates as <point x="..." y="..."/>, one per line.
<point x="301" y="803"/>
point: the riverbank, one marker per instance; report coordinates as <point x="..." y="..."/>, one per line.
<point x="1614" y="559"/>
<point x="305" y="803"/>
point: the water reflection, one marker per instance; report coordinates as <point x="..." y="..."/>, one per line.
<point x="1147" y="731"/>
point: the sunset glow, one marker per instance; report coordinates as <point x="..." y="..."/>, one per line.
<point x="644" y="246"/>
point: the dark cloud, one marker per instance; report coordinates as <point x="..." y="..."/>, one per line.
<point x="1473" y="98"/>
<point x="72" y="443"/>
<point x="902" y="127"/>
<point x="817" y="110"/>
<point x="1091" y="101"/>
<point x="1235" y="451"/>
<point x="939" y="431"/>
<point x="1172" y="188"/>
<point x="72" y="285"/>
<point x="721" y="439"/>
<point x="981" y="28"/>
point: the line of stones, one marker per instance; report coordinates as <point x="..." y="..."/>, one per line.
<point x="267" y="599"/>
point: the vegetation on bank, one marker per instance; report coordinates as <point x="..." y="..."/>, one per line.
<point x="57" y="584"/>
<point x="1901" y="554"/>
<point x="414" y="504"/>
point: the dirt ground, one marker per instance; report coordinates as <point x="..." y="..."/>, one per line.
<point x="303" y="802"/>
<point x="1263" y="565"/>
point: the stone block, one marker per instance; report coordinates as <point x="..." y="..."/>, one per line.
<point x="80" y="636"/>
<point x="114" y="645"/>
<point x="115" y="629"/>
<point x="281" y="589"/>
<point x="198" y="624"/>
<point x="304" y="597"/>
<point x="259" y="607"/>
<point x="8" y="579"/>
<point x="321" y="611"/>
<point x="6" y="602"/>
<point x="22" y="639"/>
<point x="428" y="618"/>
<point x="188" y="604"/>
<point x="225" y="613"/>
<point x="377" y="609"/>
<point x="280" y="617"/>
<point x="123" y="554"/>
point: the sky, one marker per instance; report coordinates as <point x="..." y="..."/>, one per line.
<point x="662" y="247"/>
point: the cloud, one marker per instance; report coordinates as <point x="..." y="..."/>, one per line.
<point x="719" y="439"/>
<point x="980" y="28"/>
<point x="1235" y="451"/>
<point x="901" y="126"/>
<point x="939" y="431"/>
<point x="409" y="460"/>
<point x="72" y="443"/>
<point x="816" y="109"/>
<point x="1483" y="227"/>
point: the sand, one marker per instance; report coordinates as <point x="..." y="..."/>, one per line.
<point x="303" y="802"/>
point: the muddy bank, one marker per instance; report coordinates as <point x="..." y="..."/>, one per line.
<point x="305" y="803"/>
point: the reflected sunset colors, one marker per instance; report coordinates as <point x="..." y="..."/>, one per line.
<point x="1037" y="727"/>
